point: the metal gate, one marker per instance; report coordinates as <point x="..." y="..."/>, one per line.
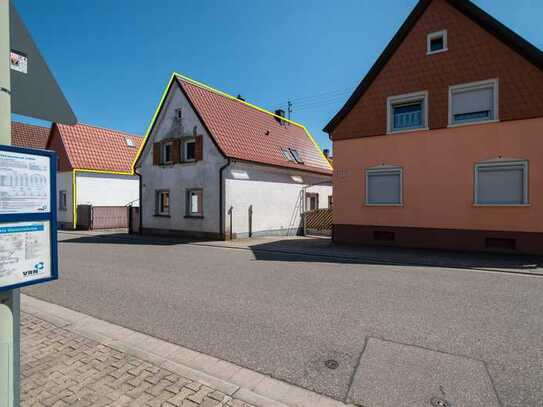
<point x="102" y="217"/>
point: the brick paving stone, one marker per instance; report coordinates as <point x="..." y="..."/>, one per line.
<point x="60" y="368"/>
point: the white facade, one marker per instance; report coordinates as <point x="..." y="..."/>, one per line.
<point x="273" y="194"/>
<point x="64" y="184"/>
<point x="264" y="200"/>
<point x="176" y="179"/>
<point x="100" y="189"/>
<point x="97" y="189"/>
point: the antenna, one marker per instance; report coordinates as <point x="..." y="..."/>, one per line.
<point x="289" y="110"/>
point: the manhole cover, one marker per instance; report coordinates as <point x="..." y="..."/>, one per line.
<point x="331" y="364"/>
<point x="435" y="402"/>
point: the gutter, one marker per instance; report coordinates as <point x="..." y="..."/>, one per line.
<point x="221" y="200"/>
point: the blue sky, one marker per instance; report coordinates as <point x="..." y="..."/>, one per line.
<point x="113" y="58"/>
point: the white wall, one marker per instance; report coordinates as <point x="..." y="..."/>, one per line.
<point x="64" y="183"/>
<point x="107" y="189"/>
<point x="179" y="177"/>
<point x="276" y="198"/>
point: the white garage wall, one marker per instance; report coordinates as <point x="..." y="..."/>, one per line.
<point x="64" y="183"/>
<point x="274" y="195"/>
<point x="107" y="189"/>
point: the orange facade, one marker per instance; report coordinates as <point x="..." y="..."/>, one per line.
<point x="438" y="177"/>
<point x="438" y="206"/>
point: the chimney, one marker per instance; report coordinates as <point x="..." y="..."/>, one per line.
<point x="240" y="98"/>
<point x="279" y="112"/>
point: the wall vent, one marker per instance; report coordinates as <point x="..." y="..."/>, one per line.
<point x="500" y="243"/>
<point x="384" y="236"/>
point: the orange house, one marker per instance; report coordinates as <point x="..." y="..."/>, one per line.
<point x="441" y="144"/>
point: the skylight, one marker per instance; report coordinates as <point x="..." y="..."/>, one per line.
<point x="296" y="155"/>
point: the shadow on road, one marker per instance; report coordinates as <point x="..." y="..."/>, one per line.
<point x="323" y="250"/>
<point x="121" y="238"/>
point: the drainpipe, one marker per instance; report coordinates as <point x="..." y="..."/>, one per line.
<point x="221" y="202"/>
<point x="140" y="231"/>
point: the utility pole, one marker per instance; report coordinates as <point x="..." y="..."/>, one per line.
<point x="9" y="300"/>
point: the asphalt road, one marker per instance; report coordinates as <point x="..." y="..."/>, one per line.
<point x="286" y="314"/>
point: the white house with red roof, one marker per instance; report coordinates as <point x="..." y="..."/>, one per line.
<point x="94" y="168"/>
<point x="215" y="166"/>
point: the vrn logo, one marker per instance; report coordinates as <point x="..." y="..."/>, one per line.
<point x="38" y="268"/>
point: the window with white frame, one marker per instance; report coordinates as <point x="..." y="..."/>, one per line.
<point x="407" y="112"/>
<point x="384" y="185"/>
<point x="162" y="205"/>
<point x="189" y="150"/>
<point x="195" y="202"/>
<point x="62" y="201"/>
<point x="436" y="42"/>
<point x="501" y="182"/>
<point x="473" y="102"/>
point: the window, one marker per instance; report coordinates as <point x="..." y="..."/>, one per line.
<point x="129" y="143"/>
<point x="501" y="183"/>
<point x="195" y="203"/>
<point x="384" y="186"/>
<point x="178" y="114"/>
<point x="407" y="112"/>
<point x="163" y="203"/>
<point x="296" y="155"/>
<point x="311" y="201"/>
<point x="166" y="157"/>
<point x="286" y="153"/>
<point x="473" y="102"/>
<point x="436" y="42"/>
<point x="189" y="153"/>
<point x="62" y="201"/>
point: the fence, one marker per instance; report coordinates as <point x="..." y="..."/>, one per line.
<point x="318" y="222"/>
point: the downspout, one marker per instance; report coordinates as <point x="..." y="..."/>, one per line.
<point x="222" y="232"/>
<point x="140" y="191"/>
<point x="74" y="198"/>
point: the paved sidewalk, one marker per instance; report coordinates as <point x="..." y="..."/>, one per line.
<point x="71" y="359"/>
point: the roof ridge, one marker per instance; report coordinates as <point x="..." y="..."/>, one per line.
<point x="33" y="125"/>
<point x="102" y="128"/>
<point x="231" y="97"/>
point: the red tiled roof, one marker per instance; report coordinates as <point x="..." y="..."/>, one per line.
<point x="96" y="148"/>
<point x="29" y="135"/>
<point x="244" y="132"/>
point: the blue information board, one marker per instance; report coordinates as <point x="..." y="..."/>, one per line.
<point x="28" y="217"/>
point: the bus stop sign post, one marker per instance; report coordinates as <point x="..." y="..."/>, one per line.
<point x="25" y="83"/>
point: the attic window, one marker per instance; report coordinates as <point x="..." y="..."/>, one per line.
<point x="178" y="114"/>
<point x="436" y="42"/>
<point x="129" y="143"/>
<point x="286" y="153"/>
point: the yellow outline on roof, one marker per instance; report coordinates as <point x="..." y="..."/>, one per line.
<point x="228" y="96"/>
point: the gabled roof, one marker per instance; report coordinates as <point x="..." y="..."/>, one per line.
<point x="466" y="7"/>
<point x="29" y="135"/>
<point x="247" y="132"/>
<point x="95" y="148"/>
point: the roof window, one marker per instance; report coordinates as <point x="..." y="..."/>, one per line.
<point x="130" y="143"/>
